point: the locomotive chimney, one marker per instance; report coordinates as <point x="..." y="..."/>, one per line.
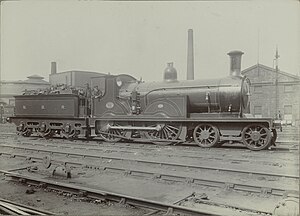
<point x="190" y="56"/>
<point x="235" y="62"/>
<point x="53" y="68"/>
<point x="170" y="74"/>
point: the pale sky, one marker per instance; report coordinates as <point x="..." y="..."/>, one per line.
<point x="139" y="38"/>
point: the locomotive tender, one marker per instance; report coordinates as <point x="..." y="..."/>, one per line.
<point x="119" y="107"/>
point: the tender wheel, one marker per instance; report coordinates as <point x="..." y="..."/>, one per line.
<point x="22" y="130"/>
<point x="168" y="131"/>
<point x="111" y="135"/>
<point x="256" y="137"/>
<point x="26" y="132"/>
<point x="206" y="135"/>
<point x="68" y="134"/>
<point x="68" y="131"/>
<point x="44" y="133"/>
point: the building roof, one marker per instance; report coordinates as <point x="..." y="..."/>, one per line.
<point x="271" y="70"/>
<point x="33" y="79"/>
<point x="79" y="71"/>
<point x="36" y="79"/>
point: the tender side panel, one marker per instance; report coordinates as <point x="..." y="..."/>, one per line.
<point x="47" y="106"/>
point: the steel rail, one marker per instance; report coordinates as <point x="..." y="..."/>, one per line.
<point x="273" y="149"/>
<point x="148" y="148"/>
<point x="117" y="149"/>
<point x="100" y="194"/>
<point x="176" y="178"/>
<point x="23" y="209"/>
<point x="156" y="162"/>
<point x="176" y="142"/>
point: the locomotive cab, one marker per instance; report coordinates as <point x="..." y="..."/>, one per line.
<point x="110" y="102"/>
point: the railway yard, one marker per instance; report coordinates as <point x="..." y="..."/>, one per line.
<point x="60" y="176"/>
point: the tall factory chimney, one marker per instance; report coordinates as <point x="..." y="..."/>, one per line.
<point x="235" y="62"/>
<point x="190" y="56"/>
<point x="53" y="68"/>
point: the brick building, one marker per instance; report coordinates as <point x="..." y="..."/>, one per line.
<point x="273" y="92"/>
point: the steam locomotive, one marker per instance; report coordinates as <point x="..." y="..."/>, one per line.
<point x="120" y="107"/>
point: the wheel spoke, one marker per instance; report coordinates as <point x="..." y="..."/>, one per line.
<point x="172" y="127"/>
<point x="112" y="135"/>
<point x="168" y="132"/>
<point x="166" y="135"/>
<point x="172" y="131"/>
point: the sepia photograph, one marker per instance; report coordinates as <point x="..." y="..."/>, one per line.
<point x="149" y="107"/>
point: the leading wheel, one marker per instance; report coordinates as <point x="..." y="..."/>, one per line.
<point x="206" y="135"/>
<point x="256" y="137"/>
<point x="166" y="132"/>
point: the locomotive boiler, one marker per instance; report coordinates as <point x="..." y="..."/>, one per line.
<point x="225" y="95"/>
<point x="119" y="107"/>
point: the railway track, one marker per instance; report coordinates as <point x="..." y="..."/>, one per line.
<point x="163" y="175"/>
<point x="65" y="153"/>
<point x="168" y="208"/>
<point x="104" y="195"/>
<point x="290" y="147"/>
<point x="8" y="207"/>
<point x="185" y="153"/>
<point x="160" y="163"/>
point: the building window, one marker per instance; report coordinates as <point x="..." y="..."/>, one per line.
<point x="257" y="89"/>
<point x="258" y="111"/>
<point x="288" y="88"/>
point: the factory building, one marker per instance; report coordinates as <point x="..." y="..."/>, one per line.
<point x="274" y="93"/>
<point x="71" y="78"/>
<point x="8" y="89"/>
